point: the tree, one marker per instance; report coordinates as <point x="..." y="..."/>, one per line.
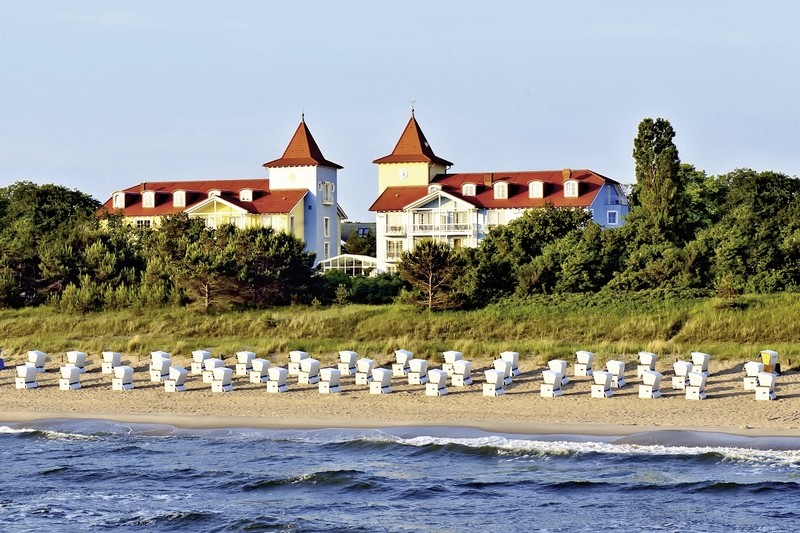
<point x="431" y="269"/>
<point x="660" y="208"/>
<point x="360" y="244"/>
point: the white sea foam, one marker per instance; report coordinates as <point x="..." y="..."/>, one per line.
<point x="10" y="430"/>
<point x="46" y="433"/>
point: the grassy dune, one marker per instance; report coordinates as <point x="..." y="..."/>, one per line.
<point x="542" y="328"/>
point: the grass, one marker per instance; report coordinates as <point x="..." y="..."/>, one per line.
<point x="542" y="328"/>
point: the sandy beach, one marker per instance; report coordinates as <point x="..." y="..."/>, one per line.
<point x="728" y="408"/>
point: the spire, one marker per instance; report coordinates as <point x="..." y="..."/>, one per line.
<point x="302" y="151"/>
<point x="413" y="147"/>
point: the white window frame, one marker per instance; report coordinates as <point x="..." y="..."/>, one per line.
<point x="616" y="218"/>
<point x="119" y="200"/>
<point x="326" y="227"/>
<point x="468" y="189"/>
<point x="327" y="189"/>
<point x="179" y="199"/>
<point x="291" y="224"/>
<point x="246" y="195"/>
<point x="326" y="250"/>
<point x="570" y="189"/>
<point x="536" y="189"/>
<point x="148" y="199"/>
<point x="500" y="190"/>
<point x="143" y="223"/>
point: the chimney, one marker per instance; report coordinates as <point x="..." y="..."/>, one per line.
<point x="566" y="174"/>
<point x="488" y="178"/>
<point x="144" y="186"/>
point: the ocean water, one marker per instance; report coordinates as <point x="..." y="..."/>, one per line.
<point x="101" y="475"/>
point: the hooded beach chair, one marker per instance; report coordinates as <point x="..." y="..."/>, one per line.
<point x="347" y="362"/>
<point x="751" y="371"/>
<point x="513" y="358"/>
<point x="651" y="384"/>
<point x="462" y="371"/>
<point x="696" y="389"/>
<point x="381" y="382"/>
<point x="198" y="358"/>
<point x="450" y="357"/>
<point x="222" y="381"/>
<point x="647" y="361"/>
<point x="26" y="377"/>
<point x="417" y="372"/>
<point x="437" y="383"/>
<point x="36" y="359"/>
<point x="364" y="368"/>
<point x="602" y="385"/>
<point x="260" y="370"/>
<point x="309" y="371"/>
<point x="295" y="356"/>
<point x="70" y="378"/>
<point x="123" y="378"/>
<point x="617" y="369"/>
<point x="681" y="377"/>
<point x="77" y="359"/>
<point x="244" y="362"/>
<point x="501" y="365"/>
<point x="770" y="360"/>
<point x="111" y="360"/>
<point x="494" y="383"/>
<point x="400" y="366"/>
<point x="560" y="366"/>
<point x="700" y="362"/>
<point x="208" y="368"/>
<point x="159" y="366"/>
<point x="583" y="363"/>
<point x="765" y="390"/>
<point x="329" y="380"/>
<point x="277" y="379"/>
<point x="176" y="382"/>
<point x="551" y="388"/>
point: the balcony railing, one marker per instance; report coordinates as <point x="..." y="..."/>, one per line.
<point x="393" y="256"/>
<point x="395" y="229"/>
<point x="462" y="228"/>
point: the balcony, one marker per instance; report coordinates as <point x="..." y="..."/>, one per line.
<point x="395" y="229"/>
<point x="443" y="229"/>
<point x="394" y="255"/>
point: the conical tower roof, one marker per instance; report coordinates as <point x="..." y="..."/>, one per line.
<point x="413" y="147"/>
<point x="302" y="151"/>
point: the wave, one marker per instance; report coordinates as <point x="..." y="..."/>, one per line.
<point x="34" y="433"/>
<point x="353" y="480"/>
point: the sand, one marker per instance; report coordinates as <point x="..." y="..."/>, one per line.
<point x="728" y="408"/>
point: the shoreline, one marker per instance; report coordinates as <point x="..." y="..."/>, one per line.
<point x="510" y="428"/>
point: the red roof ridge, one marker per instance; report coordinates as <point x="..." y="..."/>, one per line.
<point x="302" y="151"/>
<point x="413" y="147"/>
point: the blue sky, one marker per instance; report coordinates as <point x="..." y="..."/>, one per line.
<point x="101" y="95"/>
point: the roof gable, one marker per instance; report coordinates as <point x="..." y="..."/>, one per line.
<point x="413" y="147"/>
<point x="302" y="151"/>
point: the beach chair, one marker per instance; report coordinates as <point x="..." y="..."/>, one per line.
<point x="260" y="371"/>
<point x="295" y="356"/>
<point x="159" y="367"/>
<point x="751" y="371"/>
<point x="277" y="379"/>
<point x="602" y="385"/>
<point x="364" y="368"/>
<point x="700" y="362"/>
<point x="551" y="388"/>
<point x="647" y="361"/>
<point x="501" y="365"/>
<point x="222" y="380"/>
<point x="696" y="389"/>
<point x="26" y="377"/>
<point x="770" y="360"/>
<point x="560" y="366"/>
<point x="651" y="384"/>
<point x="462" y="371"/>
<point x="77" y="359"/>
<point x="309" y="372"/>
<point x="617" y="369"/>
<point x="437" y="383"/>
<point x="417" y="372"/>
<point x="198" y="358"/>
<point x="176" y="382"/>
<point x="244" y="362"/>
<point x="681" y="377"/>
<point x="111" y="360"/>
<point x="36" y="359"/>
<point x="2" y="362"/>
<point x="583" y="363"/>
<point x="123" y="378"/>
<point x="450" y="357"/>
<point x="347" y="362"/>
<point x="329" y="380"/>
<point x="208" y="368"/>
<point x="70" y="378"/>
<point x="381" y="382"/>
<point x="513" y="358"/>
<point x="765" y="390"/>
<point x="400" y="366"/>
<point x="494" y="383"/>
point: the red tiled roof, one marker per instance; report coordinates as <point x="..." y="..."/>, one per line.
<point x="265" y="201"/>
<point x="396" y="198"/>
<point x="413" y="147"/>
<point x="302" y="151"/>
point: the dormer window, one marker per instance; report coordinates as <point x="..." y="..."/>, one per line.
<point x="119" y="200"/>
<point x="149" y="199"/>
<point x="536" y="189"/>
<point x="179" y="199"/>
<point x="570" y="189"/>
<point x="468" y="189"/>
<point x="214" y="192"/>
<point x="500" y="190"/>
<point x="246" y="195"/>
<point x="434" y="188"/>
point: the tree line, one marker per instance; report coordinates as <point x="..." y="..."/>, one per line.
<point x="686" y="231"/>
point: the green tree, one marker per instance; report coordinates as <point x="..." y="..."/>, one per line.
<point x="431" y="269"/>
<point x="360" y="244"/>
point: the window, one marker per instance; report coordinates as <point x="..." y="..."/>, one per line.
<point x="326" y="227"/>
<point x="570" y="189"/>
<point x="501" y="190"/>
<point x="246" y="195"/>
<point x="536" y="189"/>
<point x="266" y="221"/>
<point x="326" y="250"/>
<point x="327" y="188"/>
<point x="214" y="192"/>
<point x="394" y="249"/>
<point x="611" y="218"/>
<point x="468" y="189"/>
<point x="291" y="224"/>
<point x="495" y="218"/>
<point x="179" y="199"/>
<point x="119" y="200"/>
<point x="148" y="199"/>
<point x="363" y="232"/>
<point x="142" y="223"/>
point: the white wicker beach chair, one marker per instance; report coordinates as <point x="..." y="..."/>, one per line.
<point x="111" y="360"/>
<point x="551" y="388"/>
<point x="26" y="377"/>
<point x="222" y="381"/>
<point x="381" y="382"/>
<point x="176" y="382"/>
<point x="70" y="378"/>
<point x="244" y="362"/>
<point x="329" y="380"/>
<point x="602" y="385"/>
<point x="647" y="361"/>
<point x="583" y="363"/>
<point x="400" y="366"/>
<point x="77" y="359"/>
<point x="417" y="372"/>
<point x="347" y="362"/>
<point x="123" y="378"/>
<point x="277" y="379"/>
<point x="437" y="383"/>
<point x="651" y="384"/>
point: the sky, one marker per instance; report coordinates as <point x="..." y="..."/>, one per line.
<point x="103" y="95"/>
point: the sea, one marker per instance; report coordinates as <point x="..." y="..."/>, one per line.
<point x="95" y="475"/>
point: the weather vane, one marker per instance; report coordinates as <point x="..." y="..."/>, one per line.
<point x="413" y="102"/>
